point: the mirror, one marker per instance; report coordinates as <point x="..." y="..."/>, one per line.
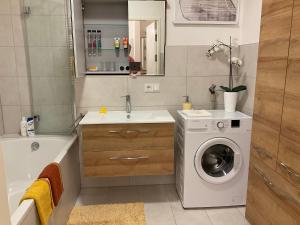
<point x="146" y="21"/>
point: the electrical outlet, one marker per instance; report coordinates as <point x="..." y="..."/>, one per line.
<point x="156" y="88"/>
<point x="148" y="88"/>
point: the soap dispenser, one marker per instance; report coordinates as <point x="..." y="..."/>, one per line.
<point x="187" y="105"/>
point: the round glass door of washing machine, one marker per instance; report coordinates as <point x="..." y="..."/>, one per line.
<point x="218" y="160"/>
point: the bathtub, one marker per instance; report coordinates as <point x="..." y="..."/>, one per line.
<point x="23" y="165"/>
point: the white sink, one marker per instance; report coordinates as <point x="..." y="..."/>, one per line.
<point x="119" y="117"/>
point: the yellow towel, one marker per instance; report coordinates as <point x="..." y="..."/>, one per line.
<point x="40" y="192"/>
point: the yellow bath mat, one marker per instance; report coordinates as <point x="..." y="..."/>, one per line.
<point x="108" y="214"/>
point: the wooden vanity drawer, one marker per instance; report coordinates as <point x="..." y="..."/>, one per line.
<point x="128" y="137"/>
<point x="128" y="150"/>
<point x="271" y="199"/>
<point x="128" y="163"/>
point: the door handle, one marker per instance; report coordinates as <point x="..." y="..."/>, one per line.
<point x="277" y="191"/>
<point x="292" y="173"/>
<point x="262" y="153"/>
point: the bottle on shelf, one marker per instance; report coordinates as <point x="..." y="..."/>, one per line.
<point x="125" y="42"/>
<point x="117" y="43"/>
<point x="89" y="42"/>
<point x="99" y="44"/>
<point x="94" y="38"/>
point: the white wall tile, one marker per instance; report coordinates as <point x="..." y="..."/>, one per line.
<point x="58" y="35"/>
<point x="249" y="55"/>
<point x="52" y="91"/>
<point x="171" y="91"/>
<point x="24" y="90"/>
<point x="26" y="110"/>
<point x="7" y="61"/>
<point x="38" y="30"/>
<point x="38" y="7"/>
<point x="6" y="32"/>
<point x="246" y="98"/>
<point x="1" y="122"/>
<point x="41" y="61"/>
<point x="4" y="6"/>
<point x="56" y="7"/>
<point x="9" y="91"/>
<point x="200" y="65"/>
<point x="16" y="7"/>
<point x="176" y="60"/>
<point x="96" y="91"/>
<point x="197" y="89"/>
<point x="56" y="118"/>
<point x="18" y="30"/>
<point x="11" y="117"/>
<point x="21" y="61"/>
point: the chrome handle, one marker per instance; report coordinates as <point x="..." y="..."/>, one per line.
<point x="290" y="171"/>
<point x="262" y="153"/>
<point x="276" y="190"/>
<point x="136" y="131"/>
<point x="128" y="131"/>
<point x="114" y="131"/>
<point x="129" y="158"/>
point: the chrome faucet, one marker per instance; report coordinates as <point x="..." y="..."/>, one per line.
<point x="128" y="103"/>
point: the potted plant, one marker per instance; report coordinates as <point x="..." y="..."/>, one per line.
<point x="230" y="92"/>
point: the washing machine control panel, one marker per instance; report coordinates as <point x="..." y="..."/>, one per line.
<point x="222" y="124"/>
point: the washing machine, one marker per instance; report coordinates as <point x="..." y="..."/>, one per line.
<point x="212" y="158"/>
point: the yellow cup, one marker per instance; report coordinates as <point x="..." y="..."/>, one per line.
<point x="103" y="110"/>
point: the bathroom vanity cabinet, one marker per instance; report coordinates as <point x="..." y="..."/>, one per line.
<point x="112" y="150"/>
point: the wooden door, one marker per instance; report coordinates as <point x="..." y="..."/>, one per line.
<point x="271" y="75"/>
<point x="289" y="148"/>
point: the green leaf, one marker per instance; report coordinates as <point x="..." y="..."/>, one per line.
<point x="239" y="88"/>
<point x="227" y="89"/>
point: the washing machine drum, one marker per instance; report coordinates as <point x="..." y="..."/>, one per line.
<point x="218" y="160"/>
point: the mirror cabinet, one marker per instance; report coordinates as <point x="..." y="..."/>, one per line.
<point x="118" y="37"/>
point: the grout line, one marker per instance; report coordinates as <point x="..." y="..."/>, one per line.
<point x="209" y="217"/>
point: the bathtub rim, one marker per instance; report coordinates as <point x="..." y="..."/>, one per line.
<point x="26" y="206"/>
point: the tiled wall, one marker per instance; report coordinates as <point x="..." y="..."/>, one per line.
<point x="14" y="85"/>
<point x="49" y="81"/>
<point x="249" y="53"/>
<point x="188" y="72"/>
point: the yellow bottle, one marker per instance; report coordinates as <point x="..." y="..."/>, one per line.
<point x="187" y="105"/>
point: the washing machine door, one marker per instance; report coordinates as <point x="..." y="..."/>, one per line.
<point x="218" y="160"/>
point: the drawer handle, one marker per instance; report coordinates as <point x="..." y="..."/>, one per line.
<point x="275" y="190"/>
<point x="262" y="153"/>
<point x="129" y="158"/>
<point x="128" y="131"/>
<point x="290" y="171"/>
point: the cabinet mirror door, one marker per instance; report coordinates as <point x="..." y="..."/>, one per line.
<point x="146" y="51"/>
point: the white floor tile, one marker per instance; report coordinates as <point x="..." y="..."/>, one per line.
<point x="226" y="216"/>
<point x="189" y="216"/>
<point x="127" y="194"/>
<point x="93" y="196"/>
<point x="242" y="210"/>
<point x="162" y="205"/>
<point x="159" y="214"/>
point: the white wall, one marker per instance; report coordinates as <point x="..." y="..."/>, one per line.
<point x="247" y="31"/>
<point x="250" y="21"/>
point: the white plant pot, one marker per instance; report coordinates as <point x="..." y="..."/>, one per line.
<point x="230" y="100"/>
